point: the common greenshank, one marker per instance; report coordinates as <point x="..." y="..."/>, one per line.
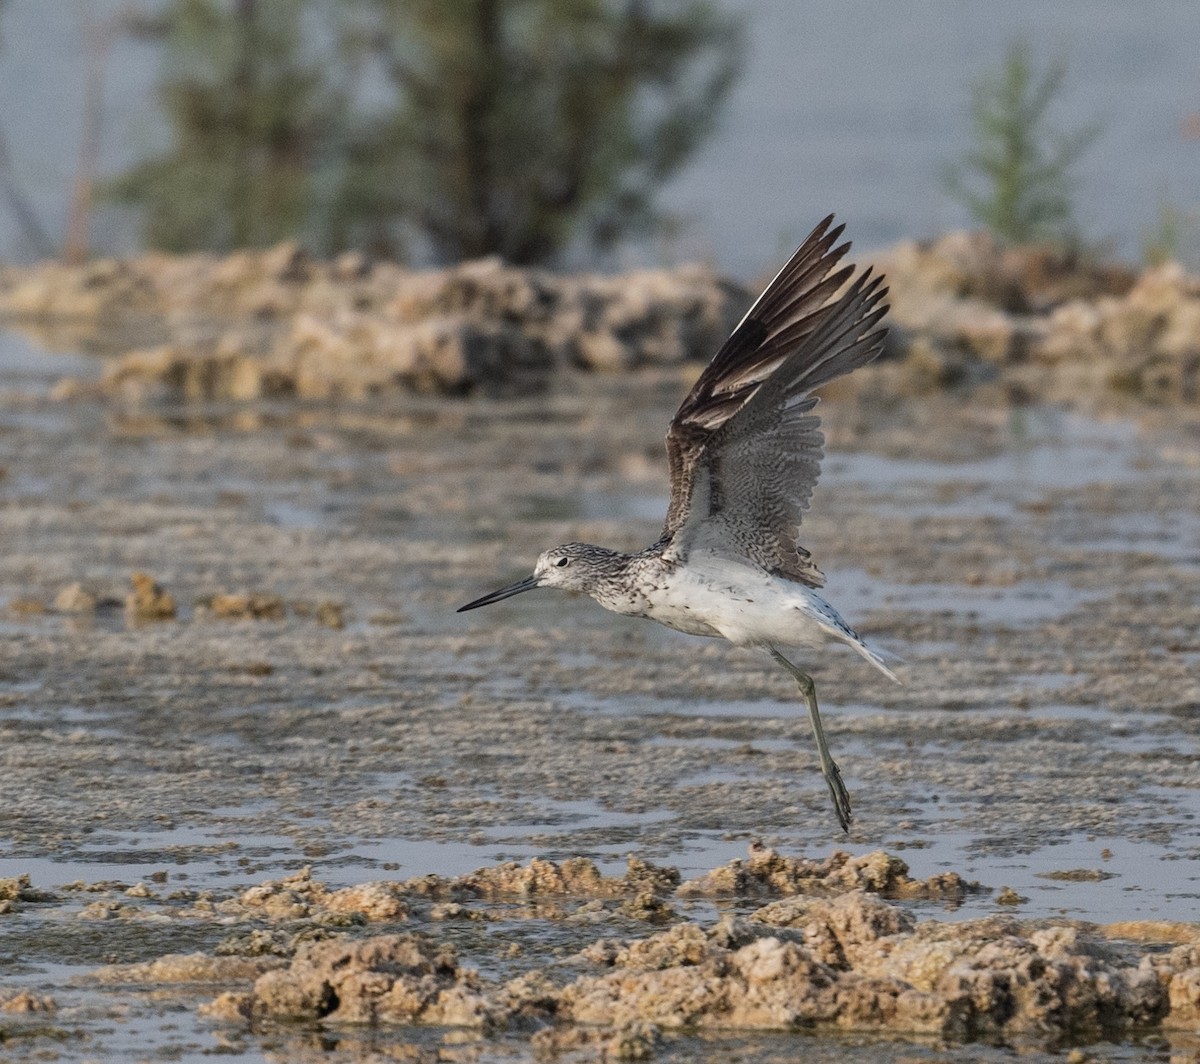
<point x="745" y="452"/>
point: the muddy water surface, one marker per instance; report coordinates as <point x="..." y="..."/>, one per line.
<point x="1038" y="573"/>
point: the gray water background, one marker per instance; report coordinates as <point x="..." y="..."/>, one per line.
<point x="843" y="105"/>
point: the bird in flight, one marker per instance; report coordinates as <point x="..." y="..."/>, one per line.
<point x="745" y="452"/>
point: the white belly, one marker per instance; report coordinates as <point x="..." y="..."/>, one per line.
<point x="715" y="596"/>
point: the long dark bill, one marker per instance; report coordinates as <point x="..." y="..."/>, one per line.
<point x="528" y="584"/>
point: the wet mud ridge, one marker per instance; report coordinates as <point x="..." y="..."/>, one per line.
<point x="789" y="946"/>
<point x="228" y="653"/>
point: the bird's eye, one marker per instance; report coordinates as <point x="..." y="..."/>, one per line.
<point x="563" y="561"/>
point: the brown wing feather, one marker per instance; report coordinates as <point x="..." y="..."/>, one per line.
<point x="746" y="427"/>
<point x="762" y="465"/>
<point x="751" y="354"/>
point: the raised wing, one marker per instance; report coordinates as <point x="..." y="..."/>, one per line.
<point x="745" y="447"/>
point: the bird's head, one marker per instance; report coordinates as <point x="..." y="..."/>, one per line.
<point x="571" y="567"/>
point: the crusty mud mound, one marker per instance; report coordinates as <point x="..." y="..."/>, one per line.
<point x="803" y="946"/>
<point x="1029" y="323"/>
<point x="276" y="323"/>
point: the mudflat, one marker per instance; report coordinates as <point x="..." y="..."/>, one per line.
<point x="285" y="686"/>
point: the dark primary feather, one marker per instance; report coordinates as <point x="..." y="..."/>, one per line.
<point x="744" y="447"/>
<point x="747" y="358"/>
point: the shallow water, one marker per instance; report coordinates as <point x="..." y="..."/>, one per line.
<point x="1040" y="585"/>
<point x="28" y="371"/>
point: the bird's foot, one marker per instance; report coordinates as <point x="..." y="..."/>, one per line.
<point x="840" y="796"/>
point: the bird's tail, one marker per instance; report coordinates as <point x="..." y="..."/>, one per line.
<point x="879" y="659"/>
<point x="831" y="621"/>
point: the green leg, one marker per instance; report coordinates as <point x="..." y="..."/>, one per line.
<point x="837" y="789"/>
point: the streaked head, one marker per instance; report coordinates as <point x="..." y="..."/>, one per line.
<point x="571" y="567"/>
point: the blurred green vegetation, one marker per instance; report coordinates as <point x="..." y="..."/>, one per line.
<point x="253" y="115"/>
<point x="1174" y="237"/>
<point x="1017" y="177"/>
<point x="443" y="128"/>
